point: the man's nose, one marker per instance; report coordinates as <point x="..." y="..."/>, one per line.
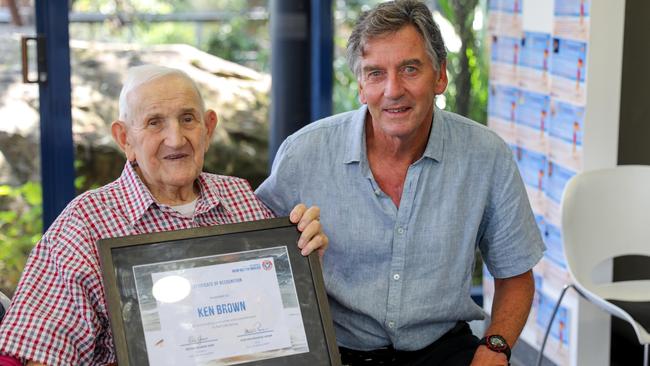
<point x="393" y="88"/>
<point x="174" y="136"/>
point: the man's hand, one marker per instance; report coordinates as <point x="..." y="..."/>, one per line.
<point x="486" y="357"/>
<point x="513" y="297"/>
<point x="312" y="237"/>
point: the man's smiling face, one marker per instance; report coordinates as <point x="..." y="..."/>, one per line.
<point x="399" y="82"/>
<point x="167" y="132"/>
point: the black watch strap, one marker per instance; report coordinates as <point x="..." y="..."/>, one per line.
<point x="496" y="343"/>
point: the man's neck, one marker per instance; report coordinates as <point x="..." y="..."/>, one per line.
<point x="174" y="196"/>
<point x="390" y="157"/>
<point x="402" y="149"/>
<point x="171" y="195"/>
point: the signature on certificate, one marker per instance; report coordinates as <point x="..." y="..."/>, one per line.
<point x="196" y="339"/>
<point x="255" y="328"/>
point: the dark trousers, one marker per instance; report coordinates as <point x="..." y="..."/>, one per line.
<point x="454" y="348"/>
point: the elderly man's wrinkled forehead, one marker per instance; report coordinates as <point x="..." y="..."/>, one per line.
<point x="151" y="84"/>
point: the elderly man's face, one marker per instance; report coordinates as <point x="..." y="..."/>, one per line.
<point x="167" y="133"/>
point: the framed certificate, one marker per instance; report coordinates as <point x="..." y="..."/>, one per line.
<point x="222" y="295"/>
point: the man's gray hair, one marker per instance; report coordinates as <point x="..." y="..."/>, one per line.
<point x="390" y="17"/>
<point x="142" y="74"/>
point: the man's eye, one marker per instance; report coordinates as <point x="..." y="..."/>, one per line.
<point x="374" y="74"/>
<point x="188" y="118"/>
<point x="153" y="122"/>
<point x="409" y="70"/>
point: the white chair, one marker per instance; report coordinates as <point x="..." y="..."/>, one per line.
<point x="605" y="215"/>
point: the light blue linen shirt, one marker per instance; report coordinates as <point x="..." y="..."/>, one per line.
<point x="403" y="276"/>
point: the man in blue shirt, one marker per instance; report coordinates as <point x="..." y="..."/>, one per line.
<point x="410" y="192"/>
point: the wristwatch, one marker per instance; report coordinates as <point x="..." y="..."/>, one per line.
<point x="496" y="343"/>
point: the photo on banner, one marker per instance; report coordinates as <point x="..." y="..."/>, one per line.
<point x="535" y="61"/>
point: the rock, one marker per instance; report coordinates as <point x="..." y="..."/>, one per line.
<point x="239" y="95"/>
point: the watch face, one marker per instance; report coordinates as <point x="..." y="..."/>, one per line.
<point x="497" y="343"/>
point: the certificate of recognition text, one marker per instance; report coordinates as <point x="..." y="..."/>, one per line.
<point x="220" y="310"/>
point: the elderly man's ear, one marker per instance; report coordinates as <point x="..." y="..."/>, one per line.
<point x="211" y="120"/>
<point x="119" y="132"/>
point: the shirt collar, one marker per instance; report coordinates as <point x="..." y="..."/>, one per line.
<point x="356" y="139"/>
<point x="210" y="195"/>
<point x="356" y="143"/>
<point x="138" y="198"/>
<point x="435" y="145"/>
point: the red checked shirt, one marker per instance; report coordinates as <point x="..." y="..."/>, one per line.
<point x="58" y="315"/>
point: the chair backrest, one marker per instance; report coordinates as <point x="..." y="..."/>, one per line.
<point x="605" y="214"/>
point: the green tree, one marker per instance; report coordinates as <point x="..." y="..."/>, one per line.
<point x="467" y="93"/>
<point x="20" y="228"/>
<point x="243" y="41"/>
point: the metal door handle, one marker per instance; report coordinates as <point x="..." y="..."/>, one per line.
<point x="41" y="65"/>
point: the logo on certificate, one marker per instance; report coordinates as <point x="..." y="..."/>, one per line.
<point x="267" y="265"/>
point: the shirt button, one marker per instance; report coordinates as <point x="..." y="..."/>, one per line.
<point x="391" y="324"/>
<point x="400" y="230"/>
<point x="396" y="276"/>
<point x="377" y="192"/>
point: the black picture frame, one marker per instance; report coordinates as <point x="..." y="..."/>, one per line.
<point x="119" y="256"/>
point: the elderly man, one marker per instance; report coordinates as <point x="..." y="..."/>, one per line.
<point x="58" y="315"/>
<point x="427" y="187"/>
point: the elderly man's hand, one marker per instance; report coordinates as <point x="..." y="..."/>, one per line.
<point x="312" y="237"/>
